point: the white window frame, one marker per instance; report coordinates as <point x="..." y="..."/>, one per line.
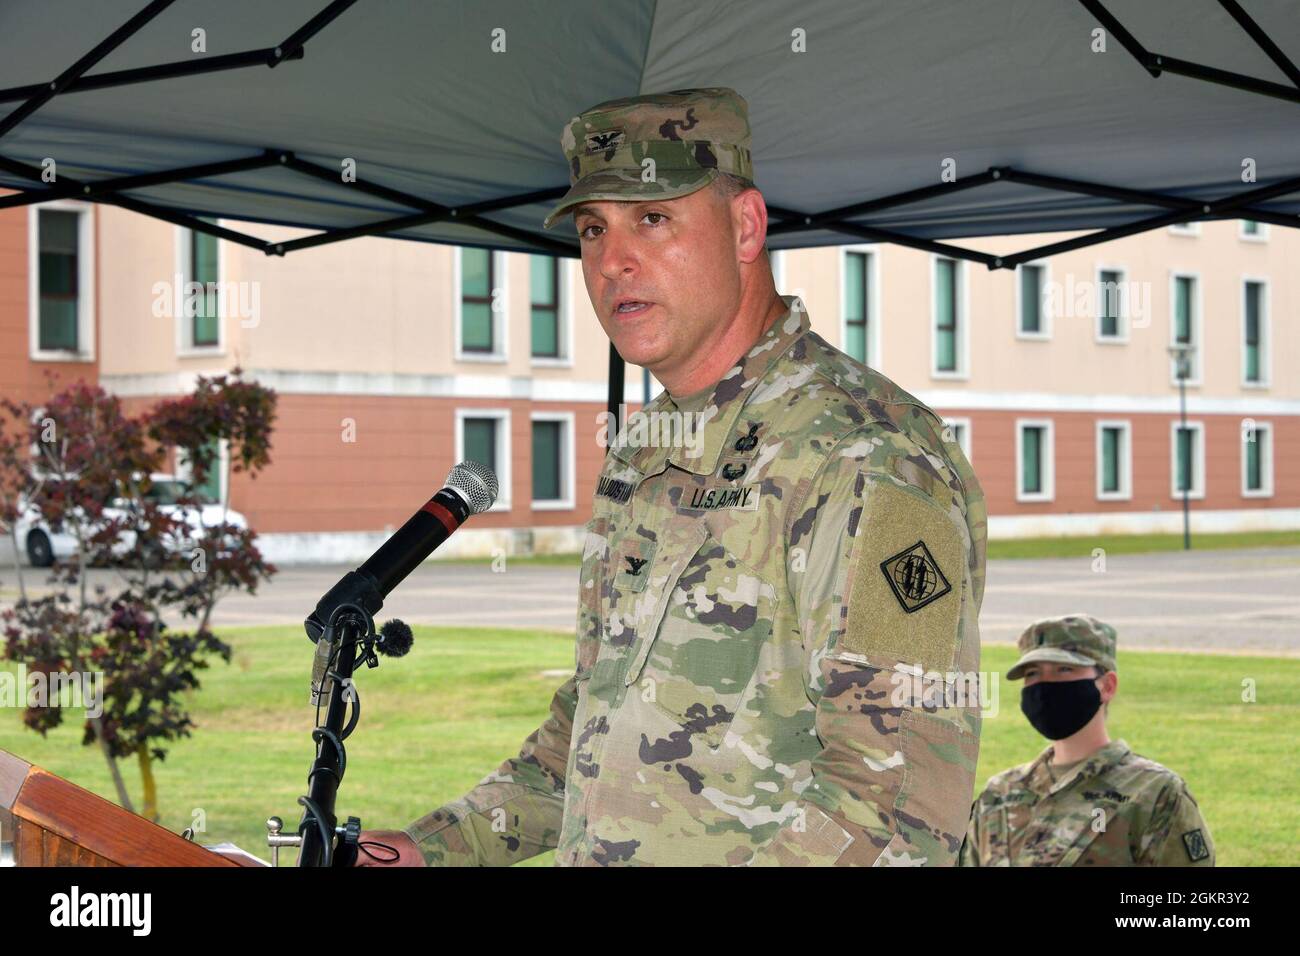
<point x="1198" y="339"/>
<point x="1265" y="461"/>
<point x="185" y="347"/>
<point x="184" y="471"/>
<point x="777" y="259"/>
<point x="86" y="291"/>
<point x="564" y="314"/>
<point x="1045" y="313"/>
<point x="962" y="371"/>
<point x="568" y="463"/>
<point x="872" y="251"/>
<point x="1197" y="491"/>
<point x="1048" y="459"/>
<point x="1265" y="333"/>
<point x="1123" y="319"/>
<point x="1125" y="492"/>
<point x="1243" y="235"/>
<point x="964" y="424"/>
<point x="1192" y="228"/>
<point x="500" y="327"/>
<point x="502" y="416"/>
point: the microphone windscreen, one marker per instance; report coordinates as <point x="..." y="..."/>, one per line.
<point x="395" y="638"/>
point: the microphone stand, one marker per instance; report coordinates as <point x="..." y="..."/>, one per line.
<point x="349" y="637"/>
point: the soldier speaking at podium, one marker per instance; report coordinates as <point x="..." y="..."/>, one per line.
<point x="748" y="599"/>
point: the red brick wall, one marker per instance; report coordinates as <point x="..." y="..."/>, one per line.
<point x="20" y="377"/>
<point x="993" y="455"/>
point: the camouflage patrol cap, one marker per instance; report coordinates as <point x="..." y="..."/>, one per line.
<point x="690" y="135"/>
<point x="1074" y="639"/>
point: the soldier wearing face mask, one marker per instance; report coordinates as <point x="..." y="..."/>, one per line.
<point x="1086" y="800"/>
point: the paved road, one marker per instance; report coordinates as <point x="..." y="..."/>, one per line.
<point x="1247" y="600"/>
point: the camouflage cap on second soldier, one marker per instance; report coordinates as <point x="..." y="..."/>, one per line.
<point x="690" y="135"/>
<point x="1074" y="639"/>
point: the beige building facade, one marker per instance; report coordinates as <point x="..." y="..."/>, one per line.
<point x="393" y="360"/>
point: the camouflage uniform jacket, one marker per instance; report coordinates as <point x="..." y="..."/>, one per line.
<point x="1113" y="809"/>
<point x="749" y="622"/>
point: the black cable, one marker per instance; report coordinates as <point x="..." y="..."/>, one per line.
<point x="327" y="838"/>
<point x="361" y="847"/>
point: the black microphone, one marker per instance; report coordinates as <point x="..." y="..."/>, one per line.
<point x="471" y="489"/>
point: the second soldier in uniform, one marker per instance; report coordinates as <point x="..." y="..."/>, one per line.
<point x="749" y="600"/>
<point x="1086" y="800"/>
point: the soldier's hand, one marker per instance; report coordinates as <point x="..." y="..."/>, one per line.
<point x="408" y="851"/>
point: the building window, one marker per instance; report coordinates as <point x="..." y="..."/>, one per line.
<point x="476" y="284"/>
<point x="483" y="435"/>
<point x="544" y="282"/>
<point x="204" y="270"/>
<point x="1034" y="460"/>
<point x="1112" y="309"/>
<point x="1254" y="333"/>
<point x="212" y="489"/>
<point x="1030" y="282"/>
<point x="552" y="460"/>
<point x="1186" y="229"/>
<point x="958" y="432"/>
<point x="949" y="313"/>
<point x="857" y="304"/>
<point x="1114" y="461"/>
<point x="59" y="270"/>
<point x="1186" y="323"/>
<point x="1253" y="231"/>
<point x="1187" y="448"/>
<point x="1256" y="459"/>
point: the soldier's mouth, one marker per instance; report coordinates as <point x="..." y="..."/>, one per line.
<point x="631" y="308"/>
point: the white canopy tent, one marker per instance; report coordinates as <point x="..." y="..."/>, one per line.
<point x="1114" y="116"/>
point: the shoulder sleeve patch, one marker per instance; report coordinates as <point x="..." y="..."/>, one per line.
<point x="1194" y="843"/>
<point x="904" y="589"/>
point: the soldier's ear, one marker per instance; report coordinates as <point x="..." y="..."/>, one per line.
<point x="1108" y="683"/>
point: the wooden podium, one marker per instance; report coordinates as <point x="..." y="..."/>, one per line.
<point x="51" y="822"/>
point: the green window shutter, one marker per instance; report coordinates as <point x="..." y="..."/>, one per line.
<point x="1110" y="452"/>
<point x="1186" y="439"/>
<point x="1183" y="310"/>
<point x="1110" y="303"/>
<point x="543" y="280"/>
<point x="945" y="294"/>
<point x="58" y="265"/>
<point x="856" y="304"/>
<point x="1031" y="299"/>
<point x="1255" y="460"/>
<point x="204" y="270"/>
<point x="480" y="441"/>
<point x="1254" y="303"/>
<point x="476" y="300"/>
<point x="1031" y="470"/>
<point x="546" y="461"/>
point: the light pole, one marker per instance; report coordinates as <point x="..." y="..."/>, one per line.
<point x="1182" y="356"/>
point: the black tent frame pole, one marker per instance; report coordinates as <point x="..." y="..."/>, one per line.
<point x="1157" y="63"/>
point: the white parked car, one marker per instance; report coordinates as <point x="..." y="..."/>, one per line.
<point x="44" y="545"/>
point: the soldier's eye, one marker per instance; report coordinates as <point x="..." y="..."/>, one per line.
<point x="658" y="215"/>
<point x="583" y="233"/>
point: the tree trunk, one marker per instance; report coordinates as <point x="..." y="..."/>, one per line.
<point x="123" y="797"/>
<point x="149" y="807"/>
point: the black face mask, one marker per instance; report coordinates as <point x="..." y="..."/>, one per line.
<point x="1060" y="708"/>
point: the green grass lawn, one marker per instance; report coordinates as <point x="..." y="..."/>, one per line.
<point x="436" y="721"/>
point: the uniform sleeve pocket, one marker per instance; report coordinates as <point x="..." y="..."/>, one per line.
<point x="591" y="600"/>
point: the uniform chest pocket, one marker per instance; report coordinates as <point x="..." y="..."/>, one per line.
<point x="697" y="652"/>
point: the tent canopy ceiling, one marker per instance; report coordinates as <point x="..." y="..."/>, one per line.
<point x="434" y="116"/>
